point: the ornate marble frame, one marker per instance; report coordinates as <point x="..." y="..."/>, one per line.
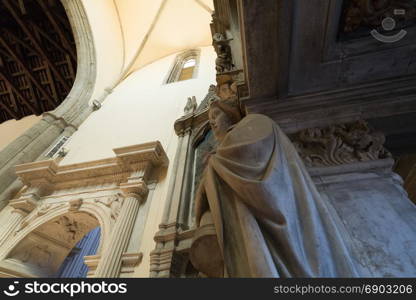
<point x="59" y="204"/>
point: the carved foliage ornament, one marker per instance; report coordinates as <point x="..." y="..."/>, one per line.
<point x="339" y="144"/>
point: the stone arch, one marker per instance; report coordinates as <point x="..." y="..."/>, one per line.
<point x="62" y="121"/>
<point x="78" y="98"/>
<point x="39" y="248"/>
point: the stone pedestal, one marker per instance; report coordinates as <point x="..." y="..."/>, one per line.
<point x="379" y="218"/>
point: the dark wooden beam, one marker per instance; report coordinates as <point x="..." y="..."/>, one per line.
<point x="30" y="48"/>
<point x="9" y="91"/>
<point x="51" y="80"/>
<point x="57" y="28"/>
<point x="15" y="89"/>
<point x="16" y="39"/>
<point x="50" y="40"/>
<point x="13" y="114"/>
<point x="35" y="43"/>
<point x="28" y="72"/>
<point x="22" y="7"/>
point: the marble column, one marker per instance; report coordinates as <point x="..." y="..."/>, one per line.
<point x="111" y="259"/>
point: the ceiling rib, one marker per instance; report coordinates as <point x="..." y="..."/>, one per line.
<point x="144" y="41"/>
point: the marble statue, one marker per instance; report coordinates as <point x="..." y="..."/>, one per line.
<point x="258" y="213"/>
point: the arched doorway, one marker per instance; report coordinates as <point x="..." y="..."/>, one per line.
<point x="74" y="266"/>
<point x="42" y="251"/>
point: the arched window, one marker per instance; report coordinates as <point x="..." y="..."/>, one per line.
<point x="187" y="69"/>
<point x="184" y="67"/>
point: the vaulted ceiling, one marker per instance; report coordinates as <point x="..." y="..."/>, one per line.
<point x="154" y="29"/>
<point x="37" y="57"/>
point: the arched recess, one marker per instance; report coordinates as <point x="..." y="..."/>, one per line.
<point x="43" y="242"/>
<point x="66" y="118"/>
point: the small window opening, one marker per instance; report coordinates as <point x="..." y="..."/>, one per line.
<point x="187" y="70"/>
<point x="184" y="67"/>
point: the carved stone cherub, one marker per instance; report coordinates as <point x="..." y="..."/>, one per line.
<point x="224" y="61"/>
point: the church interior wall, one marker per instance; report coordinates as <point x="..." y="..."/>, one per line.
<point x="108" y="42"/>
<point x="12" y="129"/>
<point x="117" y="124"/>
<point x="135" y="52"/>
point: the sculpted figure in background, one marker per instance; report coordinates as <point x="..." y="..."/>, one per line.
<point x="258" y="213"/>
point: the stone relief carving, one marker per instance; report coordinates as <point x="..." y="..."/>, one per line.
<point x="71" y="227"/>
<point x="370" y="13"/>
<point x="223" y="62"/>
<point x="42" y="209"/>
<point x="75" y="204"/>
<point x="191" y="105"/>
<point x="114" y="202"/>
<point x="116" y="207"/>
<point x="226" y="87"/>
<point x="38" y="255"/>
<point x="339" y="144"/>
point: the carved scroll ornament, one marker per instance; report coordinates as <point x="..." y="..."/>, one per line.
<point x="339" y="144"/>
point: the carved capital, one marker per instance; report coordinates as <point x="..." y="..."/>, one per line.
<point x="24" y="205"/>
<point x="339" y="144"/>
<point x="136" y="190"/>
<point x="38" y="188"/>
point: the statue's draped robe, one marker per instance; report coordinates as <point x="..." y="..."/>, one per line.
<point x="269" y="218"/>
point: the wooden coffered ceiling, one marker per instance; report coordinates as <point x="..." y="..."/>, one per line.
<point x="37" y="57"/>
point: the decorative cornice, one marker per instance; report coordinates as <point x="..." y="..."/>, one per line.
<point x="190" y="121"/>
<point x="323" y="108"/>
<point x="148" y="152"/>
<point x="136" y="190"/>
<point x="128" y="262"/>
<point x="127" y="160"/>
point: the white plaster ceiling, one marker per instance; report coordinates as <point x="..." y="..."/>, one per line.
<point x="153" y="29"/>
